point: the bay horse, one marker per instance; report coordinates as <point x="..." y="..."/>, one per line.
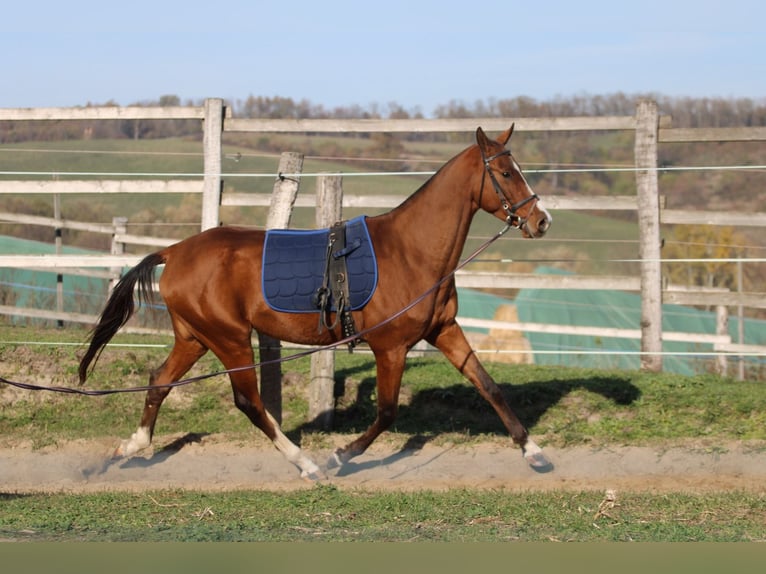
<point x="212" y="289"/>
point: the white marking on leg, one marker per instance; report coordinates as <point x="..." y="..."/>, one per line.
<point x="531" y="448"/>
<point x="139" y="440"/>
<point x="535" y="457"/>
<point x="335" y="461"/>
<point x="293" y="453"/>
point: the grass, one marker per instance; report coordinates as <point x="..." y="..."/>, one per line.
<point x="328" y="514"/>
<point x="562" y="406"/>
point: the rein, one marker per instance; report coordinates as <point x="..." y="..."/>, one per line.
<point x="512" y="219"/>
<point x="345" y="340"/>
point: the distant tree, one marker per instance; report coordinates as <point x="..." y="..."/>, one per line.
<point x="706" y="243"/>
<point x="397" y="112"/>
<point x="169" y="100"/>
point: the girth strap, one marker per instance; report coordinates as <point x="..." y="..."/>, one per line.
<point x="335" y="285"/>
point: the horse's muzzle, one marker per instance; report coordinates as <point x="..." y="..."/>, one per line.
<point x="537" y="225"/>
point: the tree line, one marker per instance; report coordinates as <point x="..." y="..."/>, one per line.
<point x="685" y="111"/>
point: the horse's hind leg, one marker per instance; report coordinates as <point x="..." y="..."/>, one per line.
<point x="184" y="354"/>
<point x="390" y="367"/>
<point x="244" y="384"/>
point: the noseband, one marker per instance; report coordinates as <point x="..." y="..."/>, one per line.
<point x="512" y="219"/>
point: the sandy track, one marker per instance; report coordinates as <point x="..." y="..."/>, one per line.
<point x="205" y="463"/>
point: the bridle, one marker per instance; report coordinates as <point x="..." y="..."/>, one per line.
<point x="512" y="218"/>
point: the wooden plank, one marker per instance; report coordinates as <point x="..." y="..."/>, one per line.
<point x="144" y="240"/>
<point x="591" y="331"/>
<point x="585" y="123"/>
<point x="53" y="222"/>
<point x="756" y="350"/>
<point x="234" y="199"/>
<point x="491" y="280"/>
<point x="578" y="123"/>
<point x="373" y="201"/>
<point x="551" y="202"/>
<point x="549" y="328"/>
<point x="76" y="271"/>
<point x="104" y="113"/>
<point x="596" y="202"/>
<point x="83" y="226"/>
<point x="64" y="261"/>
<point x="738" y="134"/>
<point x="101" y="186"/>
<point x="627" y="203"/>
<point x="726" y="218"/>
<point x="711" y="299"/>
<point x="74" y="318"/>
<point x="46" y="314"/>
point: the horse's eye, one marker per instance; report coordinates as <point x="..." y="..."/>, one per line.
<point x="506" y="174"/>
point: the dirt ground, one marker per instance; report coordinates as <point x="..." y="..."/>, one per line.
<point x="210" y="463"/>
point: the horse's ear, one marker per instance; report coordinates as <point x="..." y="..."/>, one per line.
<point x="481" y="138"/>
<point x="505" y="136"/>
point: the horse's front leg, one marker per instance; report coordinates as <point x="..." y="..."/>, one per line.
<point x="451" y="341"/>
<point x="390" y="367"/>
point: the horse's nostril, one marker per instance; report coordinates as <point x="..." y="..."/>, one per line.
<point x="543" y="225"/>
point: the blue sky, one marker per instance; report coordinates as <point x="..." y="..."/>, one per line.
<point x="419" y="54"/>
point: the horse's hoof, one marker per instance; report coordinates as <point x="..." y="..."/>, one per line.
<point x="538" y="462"/>
<point x="313" y="476"/>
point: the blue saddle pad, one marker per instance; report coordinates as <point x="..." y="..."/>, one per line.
<point x="294" y="263"/>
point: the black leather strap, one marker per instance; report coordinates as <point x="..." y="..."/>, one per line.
<point x="335" y="287"/>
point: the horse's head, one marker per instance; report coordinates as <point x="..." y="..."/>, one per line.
<point x="504" y="191"/>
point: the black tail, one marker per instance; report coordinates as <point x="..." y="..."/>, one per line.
<point x="120" y="308"/>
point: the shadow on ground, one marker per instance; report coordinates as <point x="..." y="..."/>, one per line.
<point x="459" y="407"/>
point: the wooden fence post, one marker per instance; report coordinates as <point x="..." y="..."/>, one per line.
<point x="740" y="323"/>
<point x="329" y="198"/>
<point x="722" y="328"/>
<point x="211" y="147"/>
<point x="647" y="127"/>
<point x="270" y="349"/>
<point x="120" y="225"/>
<point x="58" y="239"/>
